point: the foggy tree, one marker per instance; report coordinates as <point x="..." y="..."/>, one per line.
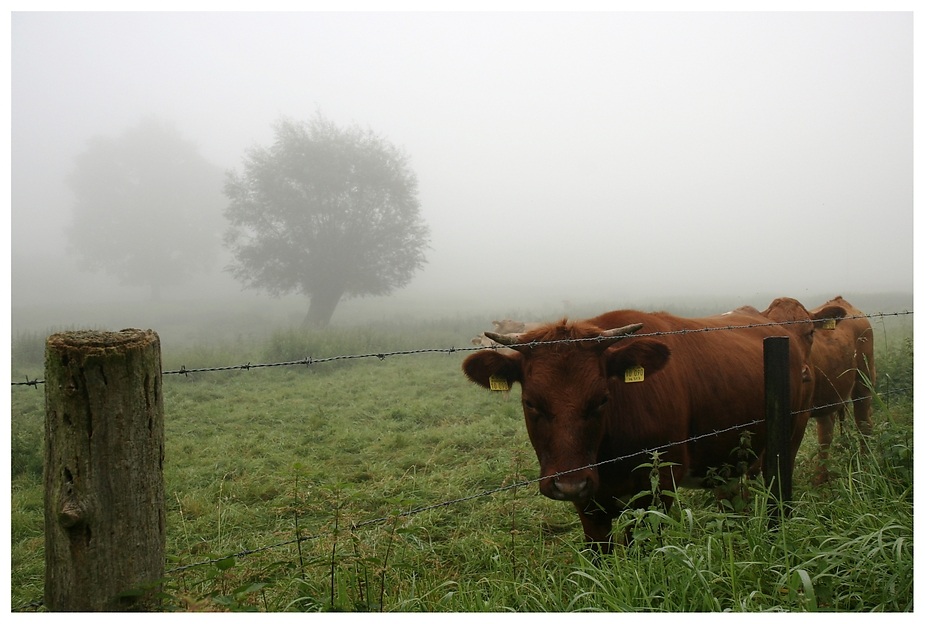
<point x="327" y="212"/>
<point x="148" y="207"/>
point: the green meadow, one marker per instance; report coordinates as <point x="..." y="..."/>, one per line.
<point x="390" y="483"/>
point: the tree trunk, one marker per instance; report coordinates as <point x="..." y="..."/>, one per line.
<point x="322" y="306"/>
<point x="105" y="520"/>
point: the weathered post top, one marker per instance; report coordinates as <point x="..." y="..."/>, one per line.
<point x="93" y="342"/>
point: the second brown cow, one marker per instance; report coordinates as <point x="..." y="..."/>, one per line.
<point x="845" y="374"/>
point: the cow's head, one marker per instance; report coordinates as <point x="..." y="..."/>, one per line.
<point x="801" y="323"/>
<point x="570" y="393"/>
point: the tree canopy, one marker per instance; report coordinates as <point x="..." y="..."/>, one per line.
<point x="327" y="212"/>
<point x="147" y="207"/>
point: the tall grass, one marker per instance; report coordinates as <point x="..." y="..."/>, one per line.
<point x="300" y="489"/>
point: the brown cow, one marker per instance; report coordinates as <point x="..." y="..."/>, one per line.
<point x="843" y="371"/>
<point x="594" y="409"/>
<point x="843" y="366"/>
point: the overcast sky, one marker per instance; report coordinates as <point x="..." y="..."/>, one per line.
<point x="625" y="154"/>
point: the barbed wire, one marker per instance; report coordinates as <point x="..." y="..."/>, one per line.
<point x="504" y="488"/>
<point x="33" y="382"/>
<point x="382" y="355"/>
<point x="491" y="492"/>
<point x="511" y="486"/>
<point x="447" y="503"/>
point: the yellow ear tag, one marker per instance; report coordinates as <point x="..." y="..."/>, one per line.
<point x="828" y="324"/>
<point x="634" y="374"/>
<point x="498" y="383"/>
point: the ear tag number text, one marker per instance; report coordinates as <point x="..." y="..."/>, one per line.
<point x="498" y="383"/>
<point x="828" y="324"/>
<point x="634" y="374"/>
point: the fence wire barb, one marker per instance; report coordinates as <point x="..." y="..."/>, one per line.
<point x="308" y="361"/>
<point x="29" y="382"/>
<point x="381" y="356"/>
<point x="504" y="488"/>
<point x="447" y="503"/>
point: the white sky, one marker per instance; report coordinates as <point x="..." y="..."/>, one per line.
<point x="623" y="154"/>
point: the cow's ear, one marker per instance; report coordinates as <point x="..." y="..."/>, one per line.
<point x="829" y="312"/>
<point x="482" y="366"/>
<point x="645" y="353"/>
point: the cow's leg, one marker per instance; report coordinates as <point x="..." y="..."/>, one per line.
<point x="597" y="526"/>
<point x="862" y="408"/>
<point x="862" y="394"/>
<point x="825" y="432"/>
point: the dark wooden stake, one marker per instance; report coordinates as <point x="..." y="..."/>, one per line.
<point x="105" y="534"/>
<point x="778" y="467"/>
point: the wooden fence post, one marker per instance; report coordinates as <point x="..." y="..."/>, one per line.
<point x="778" y="466"/>
<point x="105" y="534"/>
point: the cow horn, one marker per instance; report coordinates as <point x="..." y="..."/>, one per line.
<point x="504" y="339"/>
<point x="621" y="331"/>
<point x="514" y="339"/>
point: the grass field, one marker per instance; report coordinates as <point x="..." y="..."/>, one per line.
<point x="356" y="485"/>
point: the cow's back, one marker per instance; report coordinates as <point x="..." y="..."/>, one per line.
<point x="713" y="383"/>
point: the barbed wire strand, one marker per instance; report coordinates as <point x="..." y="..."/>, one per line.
<point x="447" y="503"/>
<point x="511" y="486"/>
<point x="418" y="510"/>
<point x="524" y="483"/>
<point x="309" y="361"/>
<point x="486" y="493"/>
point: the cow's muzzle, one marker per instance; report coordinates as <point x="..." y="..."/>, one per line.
<point x="568" y="488"/>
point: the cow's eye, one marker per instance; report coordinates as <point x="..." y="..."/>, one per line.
<point x="599" y="405"/>
<point x="533" y="411"/>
